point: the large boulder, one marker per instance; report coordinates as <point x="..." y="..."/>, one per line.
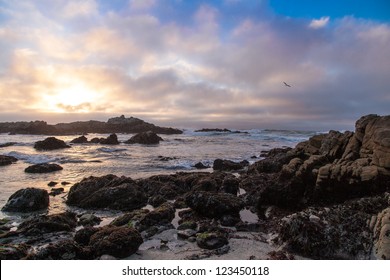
<point x="228" y="165"/>
<point x="382" y="235"/>
<point x="43" y="168"/>
<point x="214" y="205"/>
<point x="110" y="140"/>
<point x="7" y="160"/>
<point x="119" y="242"/>
<point x="50" y="143"/>
<point x="110" y="191"/>
<point x="27" y="200"/>
<point x="163" y="214"/>
<point x="146" y="138"/>
<point x="80" y="140"/>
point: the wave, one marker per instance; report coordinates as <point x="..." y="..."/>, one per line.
<point x="34" y="159"/>
<point x="111" y="150"/>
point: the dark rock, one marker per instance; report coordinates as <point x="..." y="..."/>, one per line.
<point x="8" y="144"/>
<point x="89" y="220"/>
<point x="130" y="219"/>
<point x="228" y="165"/>
<point x="52" y="184"/>
<point x="110" y="140"/>
<point x="13" y="251"/>
<point x="96" y="140"/>
<point x="7" y="160"/>
<point x="187" y="225"/>
<point x="230" y="185"/>
<point x="80" y="140"/>
<point x="186" y="233"/>
<point x="48" y="223"/>
<point x="146" y="138"/>
<point x="280" y="255"/>
<point x="65" y="183"/>
<point x="229" y="220"/>
<point x="214" y="205"/>
<point x="163" y="214"/>
<point x="211" y="240"/>
<point x="83" y="235"/>
<point x="119" y="242"/>
<point x="110" y="191"/>
<point x="200" y="165"/>
<point x="161" y="158"/>
<point x="56" y="191"/>
<point x="62" y="250"/>
<point x="213" y="130"/>
<point x="156" y="200"/>
<point x="50" y="143"/>
<point x="27" y="200"/>
<point x="43" y="168"/>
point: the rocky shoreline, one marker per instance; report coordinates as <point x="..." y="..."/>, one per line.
<point x="327" y="198"/>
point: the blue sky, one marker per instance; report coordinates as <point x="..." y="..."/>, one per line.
<point x="196" y="63"/>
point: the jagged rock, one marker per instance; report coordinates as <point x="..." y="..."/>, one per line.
<point x="119" y="242"/>
<point x="228" y="165"/>
<point x="27" y="200"/>
<point x="146" y="138"/>
<point x="163" y="214"/>
<point x="80" y="140"/>
<point x="382" y="235"/>
<point x="200" y="165"/>
<point x="43" y="168"/>
<point x="110" y="191"/>
<point x="7" y="160"/>
<point x="214" y="205"/>
<point x="50" y="143"/>
<point x="110" y="140"/>
<point x="13" y="251"/>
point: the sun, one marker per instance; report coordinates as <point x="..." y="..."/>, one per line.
<point x="76" y="97"/>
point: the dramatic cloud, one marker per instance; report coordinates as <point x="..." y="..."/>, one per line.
<point x="214" y="64"/>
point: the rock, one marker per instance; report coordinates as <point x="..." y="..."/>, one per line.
<point x="43" y="168"/>
<point x="89" y="220"/>
<point x="83" y="235"/>
<point x="13" y="251"/>
<point x="186" y="233"/>
<point x="65" y="183"/>
<point x="214" y="205"/>
<point x="228" y="165"/>
<point x="110" y="191"/>
<point x="156" y="200"/>
<point x="27" y="200"/>
<point x="110" y="140"/>
<point x="211" y="240"/>
<point x="48" y="223"/>
<point x="119" y="242"/>
<point x="382" y="235"/>
<point x="187" y="225"/>
<point x="200" y="165"/>
<point x="80" y="140"/>
<point x="229" y="220"/>
<point x="96" y="140"/>
<point x="146" y="138"/>
<point x="52" y="184"/>
<point x="213" y="130"/>
<point x="61" y="250"/>
<point x="130" y="219"/>
<point x="163" y="214"/>
<point x="230" y="185"/>
<point x="8" y="144"/>
<point x="50" y="143"/>
<point x="56" y="191"/>
<point x="7" y="160"/>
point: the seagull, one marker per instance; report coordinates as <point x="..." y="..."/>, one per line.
<point x="287" y="85"/>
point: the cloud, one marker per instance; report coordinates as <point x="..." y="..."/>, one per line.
<point x="319" y="23"/>
<point x="142" y="5"/>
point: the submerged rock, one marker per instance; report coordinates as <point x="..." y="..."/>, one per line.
<point x="7" y="160"/>
<point x="50" y="143"/>
<point x="27" y="200"/>
<point x="146" y="138"/>
<point x="211" y="240"/>
<point x="43" y="168"/>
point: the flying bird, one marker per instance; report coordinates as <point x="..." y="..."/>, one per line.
<point x="287" y="85"/>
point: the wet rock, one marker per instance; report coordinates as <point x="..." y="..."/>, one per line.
<point x="230" y="185"/>
<point x="80" y="140"/>
<point x="228" y="165"/>
<point x="186" y="233"/>
<point x="280" y="255"/>
<point x="7" y="160"/>
<point x="211" y="240"/>
<point x="52" y="184"/>
<point x="83" y="235"/>
<point x="214" y="205"/>
<point x="200" y="165"/>
<point x="48" y="223"/>
<point x="119" y="242"/>
<point x="43" y="168"/>
<point x="382" y="235"/>
<point x="110" y="140"/>
<point x="62" y="250"/>
<point x="8" y="144"/>
<point x="161" y="158"/>
<point x="89" y="220"/>
<point x="163" y="214"/>
<point x="56" y="191"/>
<point x="229" y="220"/>
<point x="50" y="143"/>
<point x="130" y="219"/>
<point x="187" y="225"/>
<point x="110" y="191"/>
<point x="96" y="140"/>
<point x="156" y="200"/>
<point x="146" y="138"/>
<point x="27" y="200"/>
<point x="65" y="183"/>
<point x="13" y="251"/>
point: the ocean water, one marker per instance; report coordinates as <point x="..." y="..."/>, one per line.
<point x="135" y="161"/>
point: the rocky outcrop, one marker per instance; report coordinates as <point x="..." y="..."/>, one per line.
<point x="110" y="140"/>
<point x="27" y="200"/>
<point x="43" y="168"/>
<point x="62" y="250"/>
<point x="163" y="214"/>
<point x="214" y="205"/>
<point x="80" y="140"/>
<point x="113" y="125"/>
<point x="7" y="160"/>
<point x="145" y="138"/>
<point x="382" y="234"/>
<point x="228" y="165"/>
<point x="13" y="251"/>
<point x="50" y="143"/>
<point x="110" y="191"/>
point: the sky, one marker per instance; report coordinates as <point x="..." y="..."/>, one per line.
<point x="183" y="63"/>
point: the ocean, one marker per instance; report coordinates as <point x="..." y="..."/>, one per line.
<point x="176" y="153"/>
